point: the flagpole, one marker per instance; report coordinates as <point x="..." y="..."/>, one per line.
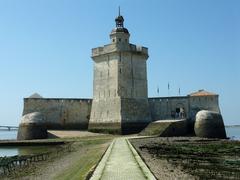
<point x="168" y="89"/>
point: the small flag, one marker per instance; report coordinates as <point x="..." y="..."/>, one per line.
<point x="168" y="86"/>
<point x="158" y="90"/>
<point x="179" y="91"/>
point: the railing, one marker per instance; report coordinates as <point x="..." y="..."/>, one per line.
<point x="9" y="128"/>
<point x="9" y="165"/>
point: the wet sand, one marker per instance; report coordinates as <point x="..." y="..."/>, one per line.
<point x="190" y="157"/>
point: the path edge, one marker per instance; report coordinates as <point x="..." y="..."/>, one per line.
<point x="140" y="162"/>
<point x="97" y="174"/>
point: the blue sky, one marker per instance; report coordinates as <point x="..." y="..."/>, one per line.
<point x="45" y="47"/>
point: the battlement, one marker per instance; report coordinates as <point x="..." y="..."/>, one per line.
<point x="153" y="99"/>
<point x="119" y="47"/>
<point x="60" y="99"/>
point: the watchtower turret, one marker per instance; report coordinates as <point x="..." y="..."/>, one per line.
<point x="119" y="34"/>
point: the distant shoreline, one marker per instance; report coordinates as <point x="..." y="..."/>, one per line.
<point x="232" y="126"/>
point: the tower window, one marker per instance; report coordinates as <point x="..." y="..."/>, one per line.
<point x="125" y="40"/>
<point x="120" y="70"/>
<point x="113" y="40"/>
<point x="119" y="39"/>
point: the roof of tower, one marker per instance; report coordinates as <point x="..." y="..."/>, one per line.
<point x="119" y="19"/>
<point x="202" y="92"/>
<point x="119" y="24"/>
<point x="35" y="95"/>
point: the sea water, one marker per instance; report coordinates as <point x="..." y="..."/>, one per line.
<point x="5" y="134"/>
<point x="233" y="132"/>
<point x="21" y="150"/>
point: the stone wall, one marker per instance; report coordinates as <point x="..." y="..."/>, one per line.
<point x="105" y="81"/>
<point x="105" y="116"/>
<point x="198" y="103"/>
<point x="135" y="115"/>
<point x="166" y="107"/>
<point x="132" y="75"/>
<point x="61" y="113"/>
<point x="120" y="102"/>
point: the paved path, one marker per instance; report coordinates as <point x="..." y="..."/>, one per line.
<point x="121" y="162"/>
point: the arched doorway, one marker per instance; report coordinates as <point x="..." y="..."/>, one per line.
<point x="180" y="112"/>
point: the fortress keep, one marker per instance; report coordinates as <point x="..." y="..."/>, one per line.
<point x="120" y="97"/>
<point x="120" y="101"/>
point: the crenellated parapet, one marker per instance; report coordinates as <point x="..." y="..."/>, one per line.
<point x="111" y="48"/>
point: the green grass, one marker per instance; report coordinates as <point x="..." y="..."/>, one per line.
<point x="155" y="129"/>
<point x="93" y="150"/>
<point x="86" y="153"/>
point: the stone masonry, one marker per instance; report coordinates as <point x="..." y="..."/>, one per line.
<point x="120" y="98"/>
<point x="61" y="113"/>
<point x="120" y="101"/>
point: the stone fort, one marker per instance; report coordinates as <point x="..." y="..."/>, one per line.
<point x="120" y="102"/>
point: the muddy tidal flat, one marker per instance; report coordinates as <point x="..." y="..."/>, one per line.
<point x="190" y="157"/>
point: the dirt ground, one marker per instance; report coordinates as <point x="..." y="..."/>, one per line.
<point x="190" y="158"/>
<point x="85" y="153"/>
<point x="167" y="158"/>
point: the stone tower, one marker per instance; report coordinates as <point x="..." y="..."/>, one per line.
<point x="120" y="97"/>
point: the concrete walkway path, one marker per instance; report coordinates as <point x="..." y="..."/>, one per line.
<point x="121" y="161"/>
